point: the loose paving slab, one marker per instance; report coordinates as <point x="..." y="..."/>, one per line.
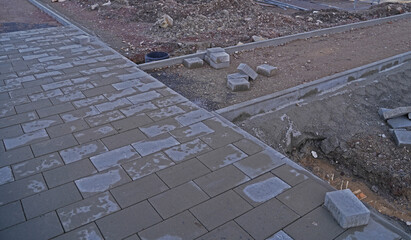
<point x="93" y="147"/>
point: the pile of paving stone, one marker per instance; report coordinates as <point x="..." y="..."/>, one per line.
<point x="399" y="119"/>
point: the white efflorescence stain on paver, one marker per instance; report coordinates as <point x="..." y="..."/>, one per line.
<point x="265" y="190"/>
<point x="145" y="166"/>
<point x="114" y="157"/>
<point x="155" y="130"/>
<point x="296" y="174"/>
<point x="138" y="108"/>
<point x="36" y="186"/>
<point x="99" y="182"/>
<point x="88" y="234"/>
<point x="231" y="158"/>
<point x="25" y="139"/>
<point x="33" y="166"/>
<point x="36" y="125"/>
<point x="281" y="235"/>
<point x="169" y="237"/>
<point x="184" y="151"/>
<point x="147" y="147"/>
<point x="77" y="153"/>
<point x="6" y="175"/>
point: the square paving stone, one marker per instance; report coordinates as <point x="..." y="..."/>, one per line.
<point x="138" y="190"/>
<point x="221" y="180"/>
<point x="222" y="157"/>
<point x="304" y="197"/>
<point x="230" y="230"/>
<point x="147" y="165"/>
<point x="86" y="211"/>
<point x="183" y="226"/>
<point x="11" y="214"/>
<point x="318" y="224"/>
<point x="260" y="163"/>
<point x="290" y="175"/>
<point x="178" y="199"/>
<point x="266" y="219"/>
<point x="220" y="209"/>
<point x="183" y="172"/>
<point x="89" y="231"/>
<point x="128" y="221"/>
<point x="262" y="189"/>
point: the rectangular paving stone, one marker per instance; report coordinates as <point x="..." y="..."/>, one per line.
<point x="69" y="172"/>
<point x="155" y="144"/>
<point x="181" y="226"/>
<point x="191" y="132"/>
<point x="220" y="209"/>
<point x="25" y="91"/>
<point x="89" y="101"/>
<point x="17" y="119"/>
<point x="101" y="182"/>
<point x="15" y="156"/>
<point x="80" y="114"/>
<point x="147" y="165"/>
<point x="55" y="109"/>
<point x="55" y="85"/>
<point x="280" y="235"/>
<point x="138" y="108"/>
<point x="86" y="211"/>
<point x="164" y="113"/>
<point x="123" y="139"/>
<point x="402" y="138"/>
<point x="290" y="175"/>
<point x="160" y="127"/>
<point x="178" y="199"/>
<point x="183" y="172"/>
<point x="94" y="133"/>
<point x="89" y="231"/>
<point x="82" y="151"/>
<point x="248" y="146"/>
<point x="222" y="157"/>
<point x="138" y="190"/>
<point x="193" y="117"/>
<point x="11" y="214"/>
<point x="34" y="228"/>
<point x="50" y="200"/>
<point x="115" y="95"/>
<point x="67" y="97"/>
<point x="104" y="118"/>
<point x="53" y="145"/>
<point x="25" y="139"/>
<point x="114" y="157"/>
<point x="33" y="106"/>
<point x="221" y="180"/>
<point x="66" y="128"/>
<point x="22" y="188"/>
<point x="260" y="163"/>
<point x="144" y="87"/>
<point x="169" y="100"/>
<point x="221" y="137"/>
<point x="304" y="197"/>
<point x="9" y="132"/>
<point x="77" y="87"/>
<point x="187" y="150"/>
<point x="41" y="124"/>
<point x="7" y="111"/>
<point x="131" y="122"/>
<point x="117" y="225"/>
<point x="230" y="230"/>
<point x="37" y="165"/>
<point x="98" y="91"/>
<point x="262" y="189"/>
<point x="267" y="219"/>
<point x="45" y="95"/>
<point x="325" y="226"/>
<point x="6" y="175"/>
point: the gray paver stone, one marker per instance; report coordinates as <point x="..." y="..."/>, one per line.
<point x="373" y="230"/>
<point x="219" y="57"/>
<point x="290" y="175"/>
<point x="83" y="40"/>
<point x="346" y="208"/>
<point x="266" y="70"/>
<point x="392" y="113"/>
<point x="214" y="50"/>
<point x="238" y="84"/>
<point x="260" y="163"/>
<point x="216" y="65"/>
<point x="22" y="188"/>
<point x="11" y="214"/>
<point x="114" y="157"/>
<point x="245" y="69"/>
<point x="104" y="118"/>
<point x="193" y="117"/>
<point x="248" y="146"/>
<point x="402" y="137"/>
<point x="131" y="122"/>
<point x="123" y="139"/>
<point x="155" y="144"/>
<point x="280" y="235"/>
<point x="26" y="139"/>
<point x="147" y="165"/>
<point x="15" y="156"/>
<point x="187" y="150"/>
<point x="157" y="128"/>
<point x="193" y="62"/>
<point x="6" y="175"/>
<point x="88" y="232"/>
<point x="399" y="122"/>
<point x="237" y="75"/>
<point x="94" y="133"/>
<point x="41" y="124"/>
<point x="222" y="157"/>
<point x="230" y="230"/>
<point x="190" y="132"/>
<point x="66" y="128"/>
<point x="82" y="151"/>
<point x="36" y="165"/>
<point x="80" y="114"/>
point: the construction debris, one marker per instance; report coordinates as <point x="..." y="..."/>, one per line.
<point x="217" y="58"/>
<point x="266" y="70"/>
<point x="244" y="68"/>
<point x="400" y="121"/>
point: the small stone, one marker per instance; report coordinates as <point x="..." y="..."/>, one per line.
<point x="266" y="70"/>
<point x="94" y="6"/>
<point x="310" y="19"/>
<point x="193" y="62"/>
<point x="258" y="38"/>
<point x="238" y="84"/>
<point x="106" y="4"/>
<point x="244" y="68"/>
<point x="374" y="188"/>
<point x="314" y="154"/>
<point x="165" y="21"/>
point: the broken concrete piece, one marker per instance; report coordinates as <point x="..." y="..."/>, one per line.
<point x="216" y="65"/>
<point x="258" y="38"/>
<point x="392" y="113"/>
<point x="82" y="40"/>
<point x="266" y="70"/>
<point x="193" y="62"/>
<point x="399" y="122"/>
<point x="346" y="209"/>
<point x="238" y="84"/>
<point x="244" y="68"/>
<point x="165" y="21"/>
<point x="402" y="137"/>
<point x="219" y="57"/>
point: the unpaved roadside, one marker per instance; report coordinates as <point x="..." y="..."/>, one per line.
<point x="299" y="61"/>
<point x="352" y="142"/>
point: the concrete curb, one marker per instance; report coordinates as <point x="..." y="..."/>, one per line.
<point x="277" y="41"/>
<point x="298" y="93"/>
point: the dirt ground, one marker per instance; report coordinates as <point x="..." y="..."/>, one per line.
<point x="18" y="15"/>
<point x="132" y="28"/>
<point x="352" y="142"/>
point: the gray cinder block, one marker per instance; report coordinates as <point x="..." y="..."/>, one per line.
<point x="216" y="65"/>
<point x="214" y="50"/>
<point x="346" y="208"/>
<point x="392" y="113"/>
<point x="244" y="68"/>
<point x="220" y="57"/>
<point x="266" y="70"/>
<point x="193" y="62"/>
<point x="402" y="137"/>
<point x="238" y="84"/>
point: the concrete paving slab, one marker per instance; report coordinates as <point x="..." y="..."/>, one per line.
<point x="399" y="122"/>
<point x="11" y="214"/>
<point x="222" y="157"/>
<point x="259" y="163"/>
<point x="392" y="113"/>
<point x="89" y="231"/>
<point x="402" y="138"/>
<point x="230" y="230"/>
<point x="290" y="175"/>
<point x="147" y="165"/>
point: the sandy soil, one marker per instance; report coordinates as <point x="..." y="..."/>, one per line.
<point x="352" y="142"/>
<point x="18" y="15"/>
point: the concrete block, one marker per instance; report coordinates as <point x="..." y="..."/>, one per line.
<point x="216" y="65"/>
<point x="238" y="84"/>
<point x="193" y="62"/>
<point x="402" y="137"/>
<point x="214" y="50"/>
<point x="220" y="57"/>
<point x="237" y="75"/>
<point x="399" y="122"/>
<point x="221" y="157"/>
<point x="392" y="113"/>
<point x="346" y="208"/>
<point x="266" y="70"/>
<point x="244" y="68"/>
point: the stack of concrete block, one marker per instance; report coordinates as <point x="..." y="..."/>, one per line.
<point x="399" y="119"/>
<point x="217" y="58"/>
<point x="266" y="70"/>
<point x="83" y="40"/>
<point x="193" y="62"/>
<point x="238" y="82"/>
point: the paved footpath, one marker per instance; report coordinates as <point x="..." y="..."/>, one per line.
<point x="94" y="148"/>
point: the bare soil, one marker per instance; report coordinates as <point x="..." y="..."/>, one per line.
<point x="350" y="139"/>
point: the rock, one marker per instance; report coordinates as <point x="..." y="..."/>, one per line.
<point x="310" y="19"/>
<point x="244" y="68"/>
<point x="374" y="188"/>
<point x="266" y="70"/>
<point x="165" y="21"/>
<point x="258" y="38"/>
<point x="314" y="154"/>
<point x="329" y="144"/>
<point x="225" y="12"/>
<point x="94" y="6"/>
<point x="54" y="0"/>
<point x="106" y="4"/>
